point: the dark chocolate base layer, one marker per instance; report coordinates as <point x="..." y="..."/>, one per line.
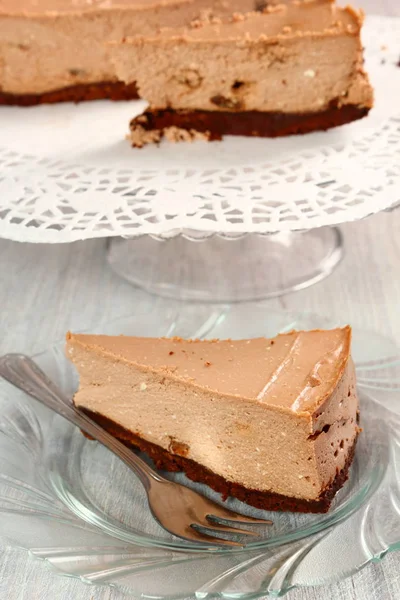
<point x="111" y="90"/>
<point x="167" y="461"/>
<point x="249" y="123"/>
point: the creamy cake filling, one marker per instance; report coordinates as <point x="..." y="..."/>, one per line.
<point x="46" y="45"/>
<point x="281" y="420"/>
<point x="297" y="59"/>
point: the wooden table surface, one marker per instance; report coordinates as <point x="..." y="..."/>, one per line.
<point x="46" y="290"/>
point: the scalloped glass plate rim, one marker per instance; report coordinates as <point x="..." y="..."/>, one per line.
<point x="246" y="596"/>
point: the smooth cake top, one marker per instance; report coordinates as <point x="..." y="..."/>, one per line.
<point x="54" y="7"/>
<point x="296" y="371"/>
<point x="216" y="17"/>
<point x="73" y="6"/>
<point x="294" y="19"/>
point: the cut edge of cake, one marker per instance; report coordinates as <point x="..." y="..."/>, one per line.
<point x="264" y="74"/>
<point x="328" y="434"/>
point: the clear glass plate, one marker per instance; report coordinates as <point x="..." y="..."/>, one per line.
<point x="68" y="500"/>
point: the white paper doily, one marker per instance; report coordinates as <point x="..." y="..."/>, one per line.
<point x="67" y="173"/>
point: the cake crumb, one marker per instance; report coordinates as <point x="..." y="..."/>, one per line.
<point x="190" y="77"/>
<point x="315" y="380"/>
<point x="176" y="134"/>
<point x="139" y="136"/>
<point x="207" y="364"/>
<point x="226" y="102"/>
<point x="179" y="448"/>
<point x="196" y="24"/>
<point x="269" y="8"/>
<point x="238" y="17"/>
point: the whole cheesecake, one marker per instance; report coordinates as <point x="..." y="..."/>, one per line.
<point x="206" y="67"/>
<point x="272" y="422"/>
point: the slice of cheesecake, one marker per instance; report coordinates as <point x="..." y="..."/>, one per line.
<point x="294" y="68"/>
<point x="272" y="422"/>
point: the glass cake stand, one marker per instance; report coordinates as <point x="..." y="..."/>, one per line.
<point x="227" y="268"/>
<point x="278" y="200"/>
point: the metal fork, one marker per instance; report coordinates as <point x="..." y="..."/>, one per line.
<point x="180" y="510"/>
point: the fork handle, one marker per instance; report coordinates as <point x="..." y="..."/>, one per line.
<point x="22" y="372"/>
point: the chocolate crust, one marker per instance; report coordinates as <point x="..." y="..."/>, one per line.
<point x="166" y="461"/>
<point x="250" y="123"/>
<point x="111" y="90"/>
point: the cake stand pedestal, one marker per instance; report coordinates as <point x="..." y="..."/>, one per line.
<point x="227" y="269"/>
